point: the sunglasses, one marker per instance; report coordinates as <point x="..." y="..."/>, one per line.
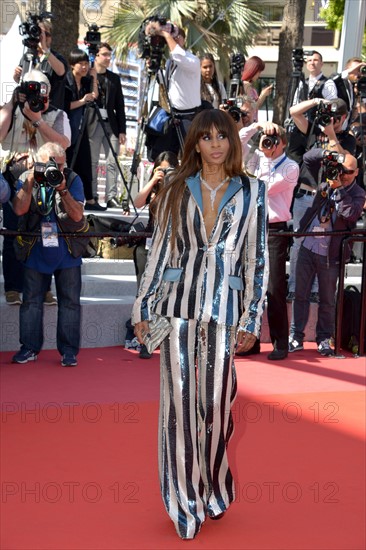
<point x="349" y="172"/>
<point x="244" y="114"/>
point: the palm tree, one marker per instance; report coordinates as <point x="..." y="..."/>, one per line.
<point x="217" y="26"/>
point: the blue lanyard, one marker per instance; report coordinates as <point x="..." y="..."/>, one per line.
<point x="278" y="164"/>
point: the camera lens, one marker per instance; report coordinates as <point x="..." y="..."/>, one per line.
<point x="268" y="142"/>
<point x="53" y="176"/>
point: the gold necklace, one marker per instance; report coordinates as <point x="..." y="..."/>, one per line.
<point x="213" y="191"/>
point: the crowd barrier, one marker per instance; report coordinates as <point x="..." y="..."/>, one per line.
<point x="355" y="235"/>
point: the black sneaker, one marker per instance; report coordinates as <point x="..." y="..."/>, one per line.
<point x="69" y="360"/>
<point x="294" y="345"/>
<point x="24" y="355"/>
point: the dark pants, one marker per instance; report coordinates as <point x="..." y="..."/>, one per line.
<point x="327" y="271"/>
<point x="68" y="288"/>
<point x="12" y="268"/>
<point x="277" y="287"/>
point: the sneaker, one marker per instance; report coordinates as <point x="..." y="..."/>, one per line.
<point x="324" y="348"/>
<point x="69" y="360"/>
<point x="49" y="299"/>
<point x="314" y="297"/>
<point x="24" y="355"/>
<point x="290" y="297"/>
<point x="13" y="298"/>
<point x="294" y="345"/>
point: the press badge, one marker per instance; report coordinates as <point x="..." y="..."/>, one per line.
<point x="148" y="243"/>
<point x="49" y="234"/>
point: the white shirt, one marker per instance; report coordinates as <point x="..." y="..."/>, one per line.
<point x="327" y="92"/>
<point x="279" y="174"/>
<point x="184" y="80"/>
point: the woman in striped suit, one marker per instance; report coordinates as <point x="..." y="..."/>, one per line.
<point x="206" y="272"/>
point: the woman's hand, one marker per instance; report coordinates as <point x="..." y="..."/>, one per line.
<point x="245" y="341"/>
<point x="141" y="329"/>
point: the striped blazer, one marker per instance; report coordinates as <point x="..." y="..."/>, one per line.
<point x="220" y="278"/>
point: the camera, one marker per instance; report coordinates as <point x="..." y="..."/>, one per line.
<point x="167" y="171"/>
<point x="268" y="141"/>
<point x="232" y="106"/>
<point x="298" y="57"/>
<point x="30" y="29"/>
<point x="332" y="163"/>
<point x="36" y="94"/>
<point x="92" y="39"/>
<point x="324" y="113"/>
<point x="48" y="173"/>
<point x="118" y="241"/>
<point x="237" y="62"/>
<point x="361" y="81"/>
<point x="151" y="46"/>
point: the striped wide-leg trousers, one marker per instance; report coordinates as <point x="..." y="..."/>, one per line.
<point x="197" y="389"/>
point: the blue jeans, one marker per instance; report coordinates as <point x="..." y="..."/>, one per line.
<point x="68" y="289"/>
<point x="301" y="204"/>
<point x="308" y="265"/>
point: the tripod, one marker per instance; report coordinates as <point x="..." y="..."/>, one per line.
<point x="80" y="136"/>
<point x="297" y="77"/>
<point x="150" y="83"/>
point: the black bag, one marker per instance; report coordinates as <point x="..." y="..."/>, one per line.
<point x="351" y="319"/>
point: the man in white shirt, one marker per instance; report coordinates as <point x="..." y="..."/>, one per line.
<point x="316" y="85"/>
<point x="270" y="164"/>
<point x="341" y="85"/>
<point x="183" y="81"/>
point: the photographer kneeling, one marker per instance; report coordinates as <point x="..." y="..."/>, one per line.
<point x="337" y="206"/>
<point x="50" y="201"/>
<point x="270" y="164"/>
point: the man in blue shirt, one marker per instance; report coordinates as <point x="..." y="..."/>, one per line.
<point x="50" y="210"/>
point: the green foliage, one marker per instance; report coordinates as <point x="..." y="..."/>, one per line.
<point x="217" y="26"/>
<point x="333" y="14"/>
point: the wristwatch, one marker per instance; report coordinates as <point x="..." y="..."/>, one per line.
<point x="36" y="123"/>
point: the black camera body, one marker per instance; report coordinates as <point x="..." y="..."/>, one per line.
<point x="36" y="94"/>
<point x="237" y="62"/>
<point x="361" y="82"/>
<point x="151" y="46"/>
<point x="48" y="174"/>
<point x="325" y="112"/>
<point x="232" y="106"/>
<point x="268" y="141"/>
<point x="332" y="164"/>
<point x="30" y="29"/>
<point x="92" y="39"/>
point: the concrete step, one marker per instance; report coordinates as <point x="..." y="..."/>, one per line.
<point x="103" y="323"/>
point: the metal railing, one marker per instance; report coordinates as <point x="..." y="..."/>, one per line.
<point x="355" y="235"/>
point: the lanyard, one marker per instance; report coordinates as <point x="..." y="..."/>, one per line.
<point x="278" y="164"/>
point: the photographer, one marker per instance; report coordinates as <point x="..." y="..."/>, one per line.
<point x="337" y="206"/>
<point x="183" y="81"/>
<point x="50" y="63"/>
<point x="28" y="121"/>
<point x="110" y="102"/>
<point x="50" y="201"/>
<point x="342" y="85"/>
<point x="327" y="136"/>
<point x="164" y="165"/>
<point x="270" y="164"/>
<point x="242" y="110"/>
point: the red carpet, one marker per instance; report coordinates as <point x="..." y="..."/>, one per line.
<point x="79" y="455"/>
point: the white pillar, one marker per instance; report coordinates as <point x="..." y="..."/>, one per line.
<point x="352" y="31"/>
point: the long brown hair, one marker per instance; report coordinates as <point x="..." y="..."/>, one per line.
<point x="170" y="197"/>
